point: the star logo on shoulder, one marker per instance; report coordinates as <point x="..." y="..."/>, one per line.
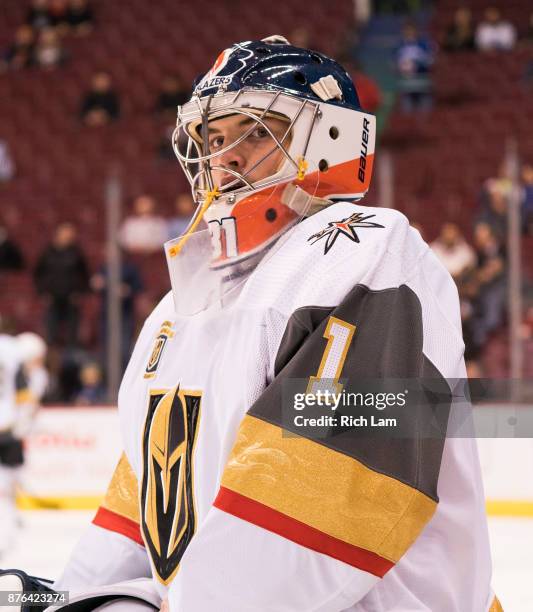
<point x="345" y="227"/>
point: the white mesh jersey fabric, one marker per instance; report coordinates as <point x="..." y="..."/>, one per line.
<point x="102" y="557"/>
<point x="9" y="364"/>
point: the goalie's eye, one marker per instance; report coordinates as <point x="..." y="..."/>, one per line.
<point x="216" y="142"/>
<point x="260" y="132"/>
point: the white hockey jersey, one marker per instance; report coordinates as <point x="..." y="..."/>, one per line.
<point x="228" y="510"/>
<point x="9" y="368"/>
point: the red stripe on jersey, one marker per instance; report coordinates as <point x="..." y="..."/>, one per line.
<point x="254" y="512"/>
<point x="119" y="524"/>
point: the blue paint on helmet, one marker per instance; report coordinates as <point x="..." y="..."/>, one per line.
<point x="276" y="67"/>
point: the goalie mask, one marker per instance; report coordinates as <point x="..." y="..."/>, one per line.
<point x="272" y="134"/>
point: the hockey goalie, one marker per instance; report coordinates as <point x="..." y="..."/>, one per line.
<point x="219" y="502"/>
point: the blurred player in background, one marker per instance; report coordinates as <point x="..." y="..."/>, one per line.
<point x="10" y="447"/>
<point x="32" y="351"/>
<point x="23" y="380"/>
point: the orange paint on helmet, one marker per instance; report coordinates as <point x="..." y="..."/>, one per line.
<point x="344" y="178"/>
<point x="258" y="219"/>
<point x="262" y="216"/>
<point x="218" y="62"/>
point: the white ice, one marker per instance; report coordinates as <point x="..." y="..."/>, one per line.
<point x="46" y="537"/>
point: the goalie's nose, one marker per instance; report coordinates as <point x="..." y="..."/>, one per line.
<point x="234" y="161"/>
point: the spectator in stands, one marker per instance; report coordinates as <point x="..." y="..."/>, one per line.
<point x="494" y="198"/>
<point x="494" y="33"/>
<point x="300" y="37"/>
<point x="527" y="74"/>
<point x="20" y="54"/>
<point x="367" y="89"/>
<point x="474" y="369"/>
<point x="454" y="251"/>
<point x="38" y="16"/>
<point x="467" y="295"/>
<point x="489" y="277"/>
<point x="49" y="52"/>
<point x="64" y="366"/>
<point x="414" y="60"/>
<point x="527" y="199"/>
<point x="80" y="17"/>
<point x="92" y="391"/>
<point x="58" y="11"/>
<point x="501" y="182"/>
<point x="528" y="35"/>
<point x="172" y="94"/>
<point x="164" y="147"/>
<point x="494" y="211"/>
<point x="11" y="257"/>
<point x="460" y="34"/>
<point x="362" y="11"/>
<point x="7" y="165"/>
<point x="527" y="324"/>
<point x="397" y="7"/>
<point x="101" y="104"/>
<point x="62" y="276"/>
<point x="144" y="231"/>
<point x="131" y="286"/>
<point x="184" y="206"/>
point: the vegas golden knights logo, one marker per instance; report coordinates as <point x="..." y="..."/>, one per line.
<point x="165" y="332"/>
<point x="168" y="520"/>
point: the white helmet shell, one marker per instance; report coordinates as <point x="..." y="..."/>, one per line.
<point x="31" y="346"/>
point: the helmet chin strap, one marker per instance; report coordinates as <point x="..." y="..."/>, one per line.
<point x="211" y="196"/>
<point x="303" y="203"/>
<point x="299" y="200"/>
<point x="303" y="165"/>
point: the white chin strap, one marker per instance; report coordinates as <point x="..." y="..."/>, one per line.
<point x="301" y="202"/>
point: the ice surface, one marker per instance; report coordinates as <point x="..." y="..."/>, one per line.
<point x="46" y="537"/>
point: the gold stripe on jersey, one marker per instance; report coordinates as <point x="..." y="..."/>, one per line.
<point x="24" y="396"/>
<point x="326" y="490"/>
<point x="122" y="496"/>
